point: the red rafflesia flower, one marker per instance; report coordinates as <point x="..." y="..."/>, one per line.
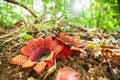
<point x="38" y="53"/>
<point x="67" y="73"/>
<point x="69" y="45"/>
<point x="41" y="53"/>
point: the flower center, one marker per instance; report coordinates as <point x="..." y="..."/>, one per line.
<point x="42" y="55"/>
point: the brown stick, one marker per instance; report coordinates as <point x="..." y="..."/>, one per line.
<point x="20" y="4"/>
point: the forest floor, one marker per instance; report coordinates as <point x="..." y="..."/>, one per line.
<point x="90" y="65"/>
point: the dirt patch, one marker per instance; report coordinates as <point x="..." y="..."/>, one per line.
<point x="88" y="66"/>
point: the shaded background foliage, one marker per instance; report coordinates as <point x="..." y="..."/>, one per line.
<point x="101" y="14"/>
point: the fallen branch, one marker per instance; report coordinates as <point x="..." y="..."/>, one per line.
<point x="20" y="4"/>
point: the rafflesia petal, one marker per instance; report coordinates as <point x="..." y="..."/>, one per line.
<point x="67" y="73"/>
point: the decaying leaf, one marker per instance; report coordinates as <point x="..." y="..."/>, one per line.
<point x="113" y="54"/>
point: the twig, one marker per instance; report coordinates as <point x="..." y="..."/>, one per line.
<point x="112" y="47"/>
<point x="8" y="40"/>
<point x="50" y="71"/>
<point x="111" y="73"/>
<point x="15" y="45"/>
<point x="10" y="34"/>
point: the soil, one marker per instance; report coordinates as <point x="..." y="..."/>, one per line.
<point x="87" y="64"/>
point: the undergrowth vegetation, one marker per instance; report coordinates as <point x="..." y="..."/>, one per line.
<point x="100" y="14"/>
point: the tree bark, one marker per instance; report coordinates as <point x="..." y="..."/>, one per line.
<point x="20" y="4"/>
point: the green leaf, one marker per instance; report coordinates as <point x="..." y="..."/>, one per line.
<point x="25" y="35"/>
<point x="8" y="23"/>
<point x="117" y="28"/>
<point x="46" y="1"/>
